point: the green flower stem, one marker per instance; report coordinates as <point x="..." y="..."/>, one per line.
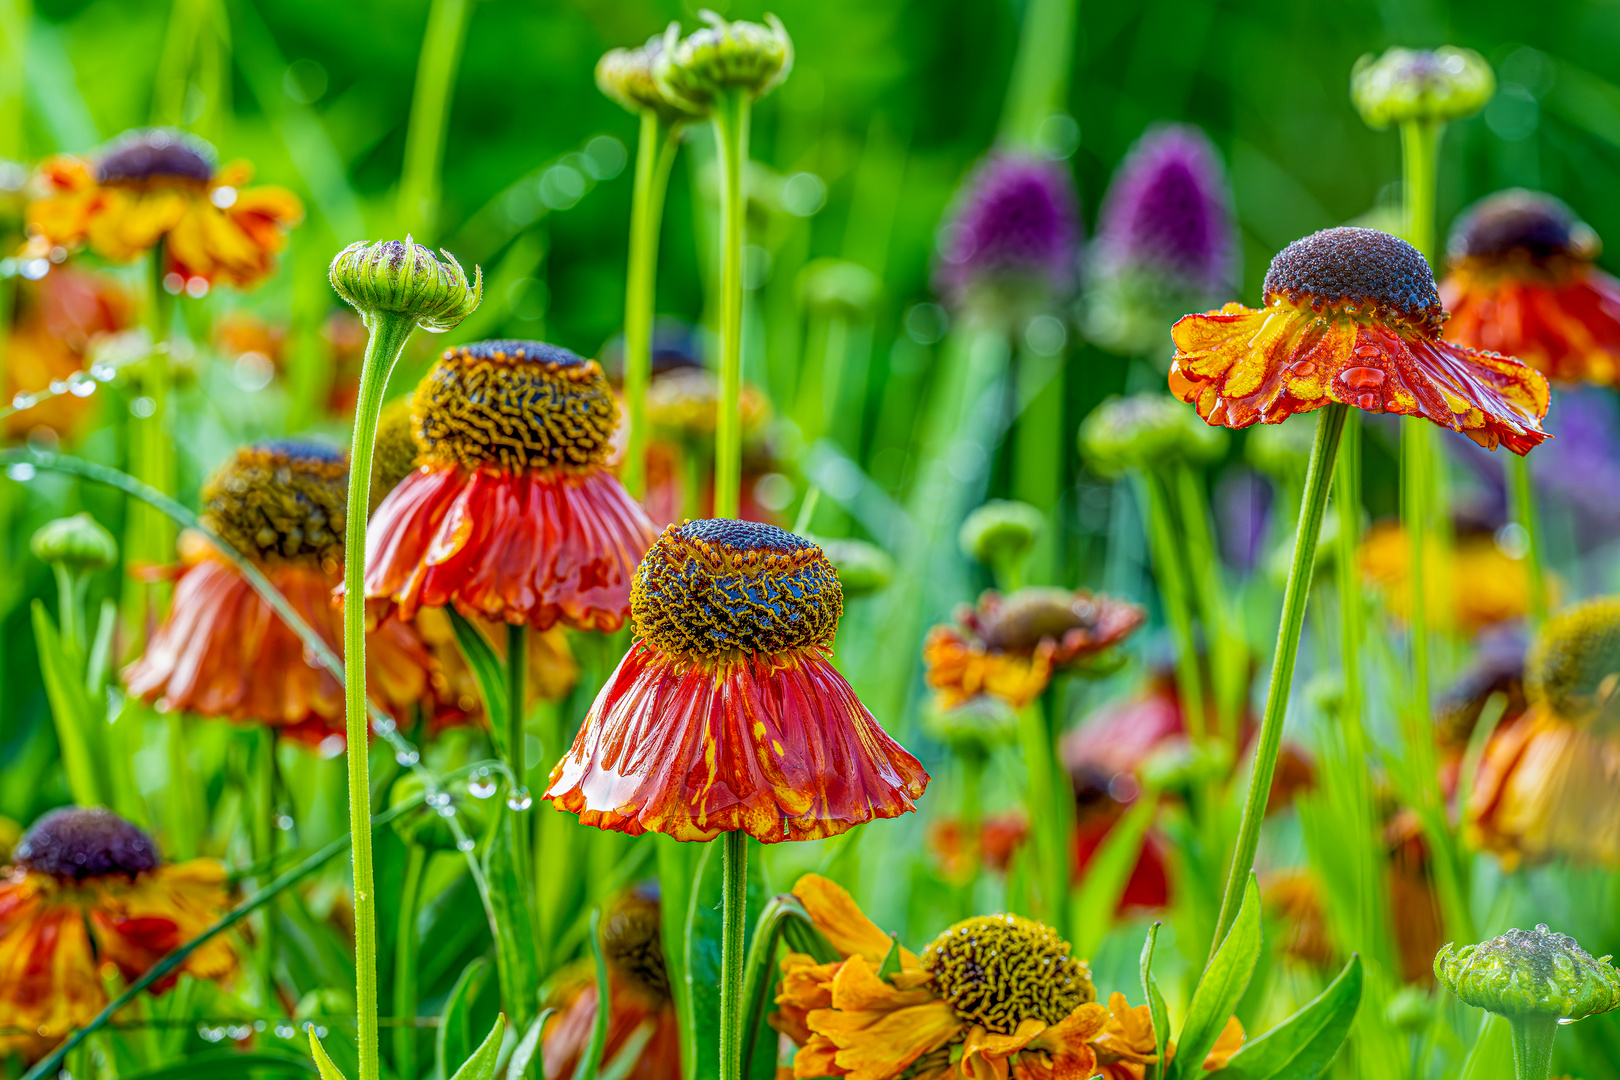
<point x="1420" y="161"/>
<point x="734" y="898"/>
<point x="1229" y="676"/>
<point x="389" y="332"/>
<point x="1047" y="788"/>
<point x="405" y="951"/>
<point x="264" y="852"/>
<point x="1038" y="475"/>
<point x="517" y="668"/>
<point x="1347" y="497"/>
<point x="655" y="154"/>
<point x="1318" y="480"/>
<point x="1416" y="476"/>
<point x="731" y="109"/>
<point x="148" y="537"/>
<point x="1532" y="1046"/>
<point x="1169" y="572"/>
<point x="430" y="109"/>
<point x="1522" y="497"/>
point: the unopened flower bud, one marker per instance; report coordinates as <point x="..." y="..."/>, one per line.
<point x="404" y="278"/>
<point x="1000" y="531"/>
<point x="626" y="76"/>
<point x="862" y="568"/>
<point x="1145" y="430"/>
<point x="1405" y="85"/>
<point x="838" y="289"/>
<point x="79" y="543"/>
<point x="1530" y="973"/>
<point x="722" y="57"/>
<point x="982" y="722"/>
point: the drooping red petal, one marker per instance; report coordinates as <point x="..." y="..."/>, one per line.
<point x="529" y="547"/>
<point x="781" y="749"/>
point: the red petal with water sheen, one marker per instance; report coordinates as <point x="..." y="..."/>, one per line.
<point x="779" y="748"/>
<point x="539" y="548"/>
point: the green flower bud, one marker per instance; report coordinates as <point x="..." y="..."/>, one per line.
<point x="1145" y="430"/>
<point x="78" y="543"/>
<point x="1000" y="531"/>
<point x="980" y="723"/>
<point x="404" y="278"/>
<point x="862" y="568"/>
<point x="1282" y="451"/>
<point x="626" y="76"/>
<point x="723" y="56"/>
<point x="1530" y="973"/>
<point x="1407" y="84"/>
<point x="838" y="289"/>
<point x="1574" y="665"/>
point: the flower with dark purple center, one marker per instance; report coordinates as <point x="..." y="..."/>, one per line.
<point x="1015" y="226"/>
<point x="156" y="154"/>
<point x="80" y="842"/>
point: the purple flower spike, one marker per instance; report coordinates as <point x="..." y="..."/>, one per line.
<point x="1015" y="228"/>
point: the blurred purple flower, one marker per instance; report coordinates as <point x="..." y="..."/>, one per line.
<point x="1168" y="212"/>
<point x="1243" y="511"/>
<point x="1015" y="224"/>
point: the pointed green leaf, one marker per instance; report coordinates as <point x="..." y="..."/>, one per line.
<point x="524" y="1052"/>
<point x="891" y="959"/>
<point x="591" y="1060"/>
<point x="1304" y="1045"/>
<point x="480" y="1065"/>
<point x="1220" y="989"/>
<point x="515" y="950"/>
<point x="323" y="1063"/>
<point x="487" y="669"/>
<point x="72" y="710"/>
<point x="1092" y="906"/>
<point x="454" y="1041"/>
<point x="228" y="1065"/>
<point x="1157" y="1011"/>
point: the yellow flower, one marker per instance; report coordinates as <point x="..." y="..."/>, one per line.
<point x="1473" y="585"/>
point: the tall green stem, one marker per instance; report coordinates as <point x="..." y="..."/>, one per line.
<point x="655" y="154"/>
<point x="148" y="535"/>
<point x="1420" y="160"/>
<point x="1171" y="576"/>
<point x="1318" y="480"/>
<point x="731" y="109"/>
<point x="430" y="109"/>
<point x="1347" y="497"/>
<point x="405" y="950"/>
<point x="517" y="667"/>
<point x="734" y="898"/>
<point x="264" y="843"/>
<point x="1228" y="660"/>
<point x="1047" y="788"/>
<point x="389" y="332"/>
<point x="1532" y="1046"/>
<point x="1522" y="501"/>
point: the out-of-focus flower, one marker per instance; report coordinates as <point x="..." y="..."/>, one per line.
<point x="682" y="405"/>
<point x="958" y="855"/>
<point x="1294" y="900"/>
<point x="1530" y="973"/>
<point x="552" y="672"/>
<point x="1352" y="316"/>
<point x="394" y="454"/>
<point x="726" y="714"/>
<point x="628" y="77"/>
<point x="1009" y="646"/>
<point x="1144" y="431"/>
<point x="1000" y="534"/>
<point x="642" y="1012"/>
<point x="1549" y="783"/>
<point x="223" y="652"/>
<point x="161" y="186"/>
<point x="57" y="322"/>
<point x="723" y="57"/>
<point x="1473" y="585"/>
<point x="1165" y="241"/>
<point x="863" y="568"/>
<point x="1522" y="282"/>
<point x="1012" y="239"/>
<point x="344" y="336"/>
<point x="87" y="898"/>
<point x="1419" y="85"/>
<point x="79" y="544"/>
<point x="1497" y="668"/>
<point x="514" y="515"/>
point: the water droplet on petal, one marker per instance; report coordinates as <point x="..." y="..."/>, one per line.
<point x="1362" y="378"/>
<point x="1304" y="369"/>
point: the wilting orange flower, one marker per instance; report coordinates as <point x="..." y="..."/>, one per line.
<point x="642" y="1020"/>
<point x="1522" y="282"/>
<point x="727" y="714"/>
<point x="513" y="515"/>
<point x="1127" y="1045"/>
<point x="154" y="186"/>
<point x="1470" y="587"/>
<point x="57" y="320"/>
<point x="1352" y="316"/>
<point x="87" y="891"/>
<point x="223" y="652"/>
<point x="1009" y="646"/>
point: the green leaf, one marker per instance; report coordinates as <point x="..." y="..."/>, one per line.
<point x="72" y="710"/>
<point x="487" y="670"/>
<point x="702" y="948"/>
<point x="228" y="1065"/>
<point x="1492" y="1056"/>
<point x="454" y="1042"/>
<point x="1220" y="989"/>
<point x="524" y="1053"/>
<point x="480" y="1065"/>
<point x="675" y="870"/>
<point x="784" y="920"/>
<point x="515" y="949"/>
<point x="1304" y="1045"/>
<point x="1157" y="1011"/>
<point x="323" y="1063"/>
<point x="590" y="1061"/>
<point x="1093" y="905"/>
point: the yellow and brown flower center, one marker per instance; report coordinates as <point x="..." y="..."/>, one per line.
<point x="1525" y="225"/>
<point x="515" y="405"/>
<point x="716" y="587"/>
<point x="281" y="501"/>
<point x="78" y="842"/>
<point x="1000" y="970"/>
<point x="155" y="156"/>
<point x="633" y="944"/>
<point x="1574" y="666"/>
<point x="1358" y="271"/>
<point x="394" y="455"/>
<point x="1030" y="615"/>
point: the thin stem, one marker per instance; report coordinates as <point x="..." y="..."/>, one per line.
<point x="430" y="107"/>
<point x="1532" y="1046"/>
<point x="1227" y="664"/>
<point x="1420" y="160"/>
<point x="1042" y="796"/>
<point x="731" y="140"/>
<point x="1415" y="506"/>
<point x="389" y="332"/>
<point x="1347" y="497"/>
<point x="405" y="950"/>
<point x="148" y="536"/>
<point x="1522" y="499"/>
<point x="734" y="889"/>
<point x="655" y="154"/>
<point x="264" y="843"/>
<point x="1318" y="480"/>
<point x="517" y="667"/>
<point x="1170" y="574"/>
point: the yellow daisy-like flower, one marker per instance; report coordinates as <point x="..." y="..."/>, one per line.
<point x="87" y="890"/>
<point x="1472" y="585"/>
<point x="160" y="185"/>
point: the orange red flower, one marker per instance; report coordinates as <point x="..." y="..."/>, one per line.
<point x="161" y="186"/>
<point x="58" y="318"/>
<point x="223" y="652"/>
<point x="1352" y="316"/>
<point x="1522" y="282"/>
<point x="86" y="891"/>
<point x="1009" y="646"/>
<point x="514" y="514"/>
<point x="727" y="714"/>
